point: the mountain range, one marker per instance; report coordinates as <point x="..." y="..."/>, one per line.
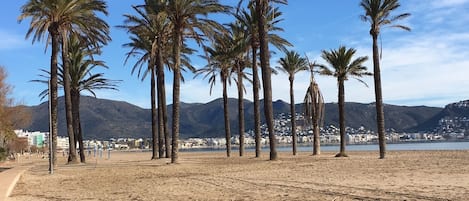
<point x="103" y="119"/>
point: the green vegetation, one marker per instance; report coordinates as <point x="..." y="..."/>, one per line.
<point x="3" y="154"/>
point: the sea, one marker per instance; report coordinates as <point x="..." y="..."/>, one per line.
<point x="408" y="146"/>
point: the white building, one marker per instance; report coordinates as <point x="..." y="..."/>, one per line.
<point x="35" y="138"/>
<point x="62" y="142"/>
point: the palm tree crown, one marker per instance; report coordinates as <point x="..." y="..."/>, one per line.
<point x="377" y="13"/>
<point x="292" y="63"/>
<point x="341" y="65"/>
<point x="78" y="16"/>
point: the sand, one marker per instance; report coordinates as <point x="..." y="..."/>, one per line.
<point x="403" y="175"/>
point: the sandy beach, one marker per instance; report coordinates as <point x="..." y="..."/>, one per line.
<point x="403" y="175"/>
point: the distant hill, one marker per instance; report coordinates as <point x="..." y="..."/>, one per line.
<point x="456" y="114"/>
<point x="400" y="118"/>
<point x="102" y="119"/>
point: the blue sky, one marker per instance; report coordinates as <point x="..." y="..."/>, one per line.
<point x="427" y="66"/>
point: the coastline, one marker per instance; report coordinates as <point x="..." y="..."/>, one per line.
<point x="305" y="146"/>
<point x="403" y="175"/>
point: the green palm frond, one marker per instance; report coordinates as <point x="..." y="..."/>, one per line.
<point x="81" y="66"/>
<point x="342" y="66"/>
<point x="378" y="14"/>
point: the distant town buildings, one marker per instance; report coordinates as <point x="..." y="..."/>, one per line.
<point x="41" y="139"/>
<point x="449" y="129"/>
<point x="35" y="138"/>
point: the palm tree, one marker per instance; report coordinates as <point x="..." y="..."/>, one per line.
<point x="378" y="14"/>
<point x="42" y="24"/>
<point x="238" y="49"/>
<point x="262" y="8"/>
<point x="249" y="20"/>
<point x="185" y="16"/>
<point x="291" y="64"/>
<point x="314" y="109"/>
<point x="220" y="64"/>
<point x="58" y="19"/>
<point x="342" y="67"/>
<point x="150" y="30"/>
<point x="143" y="43"/>
<point x="82" y="79"/>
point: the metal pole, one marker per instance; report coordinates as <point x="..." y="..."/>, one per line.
<point x="51" y="154"/>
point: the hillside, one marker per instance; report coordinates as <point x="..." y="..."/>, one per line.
<point x="102" y="119"/>
<point x="453" y="118"/>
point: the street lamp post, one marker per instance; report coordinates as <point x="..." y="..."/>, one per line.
<point x="51" y="153"/>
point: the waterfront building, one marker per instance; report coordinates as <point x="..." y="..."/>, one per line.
<point x="36" y="138"/>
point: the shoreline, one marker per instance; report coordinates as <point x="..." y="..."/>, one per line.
<point x="252" y="147"/>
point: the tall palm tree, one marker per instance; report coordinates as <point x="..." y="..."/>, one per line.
<point x="341" y="66"/>
<point x="42" y="25"/>
<point x="150" y="33"/>
<point x="314" y="109"/>
<point x="262" y="8"/>
<point x="378" y="14"/>
<point x="220" y="64"/>
<point x="185" y="16"/>
<point x="238" y="49"/>
<point x="249" y="20"/>
<point x="58" y="19"/>
<point x="150" y="30"/>
<point x="291" y="64"/>
<point x="143" y="46"/>
<point x="80" y="19"/>
<point x="82" y="79"/>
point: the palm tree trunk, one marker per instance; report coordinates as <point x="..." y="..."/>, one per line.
<point x="293" y="116"/>
<point x="175" y="131"/>
<point x="342" y="119"/>
<point x="161" y="105"/>
<point x="257" y="112"/>
<point x="165" y="119"/>
<point x="261" y="7"/>
<point x="53" y="90"/>
<point x="227" y="120"/>
<point x="176" y="91"/>
<point x="240" y="110"/>
<point x="80" y="140"/>
<point x="379" y="98"/>
<point x="76" y="123"/>
<point x="72" y="156"/>
<point x="160" y="122"/>
<point x="315" y="118"/>
<point x="154" y="133"/>
<point x="162" y="119"/>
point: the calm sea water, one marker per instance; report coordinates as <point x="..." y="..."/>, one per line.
<point x="422" y="146"/>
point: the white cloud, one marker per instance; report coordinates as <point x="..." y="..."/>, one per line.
<point x="10" y="40"/>
<point x="448" y="3"/>
<point x="425" y="68"/>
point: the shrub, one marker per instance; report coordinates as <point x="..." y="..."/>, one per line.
<point x="3" y="154"/>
